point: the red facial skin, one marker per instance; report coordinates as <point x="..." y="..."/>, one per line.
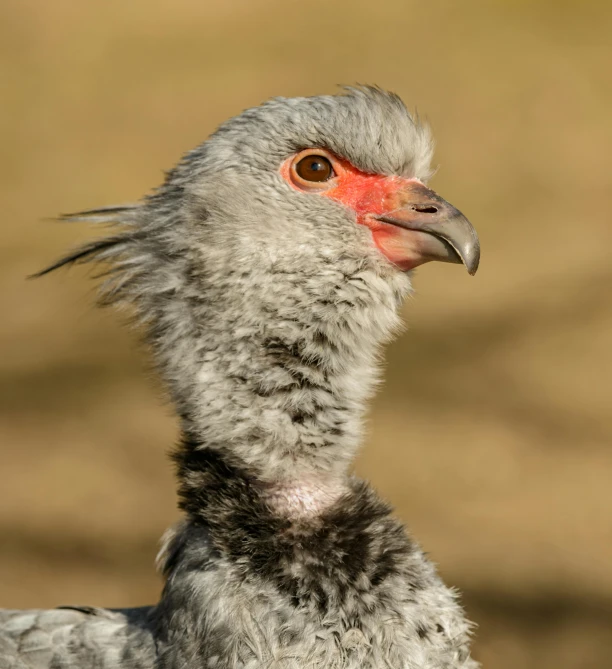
<point x="368" y="195"/>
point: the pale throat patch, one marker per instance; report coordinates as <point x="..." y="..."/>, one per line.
<point x="304" y="498"/>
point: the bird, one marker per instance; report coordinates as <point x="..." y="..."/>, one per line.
<point x="267" y="271"/>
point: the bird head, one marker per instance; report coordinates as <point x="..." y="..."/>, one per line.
<point x="317" y="179"/>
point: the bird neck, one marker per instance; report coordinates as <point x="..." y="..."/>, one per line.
<point x="277" y="385"/>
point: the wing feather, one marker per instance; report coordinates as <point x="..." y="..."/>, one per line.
<point x="77" y="637"/>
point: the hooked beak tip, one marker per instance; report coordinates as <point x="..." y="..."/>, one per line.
<point x="468" y="255"/>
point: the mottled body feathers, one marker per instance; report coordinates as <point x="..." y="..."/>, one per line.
<point x="345" y="589"/>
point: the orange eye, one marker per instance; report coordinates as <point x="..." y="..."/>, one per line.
<point x="315" y="167"/>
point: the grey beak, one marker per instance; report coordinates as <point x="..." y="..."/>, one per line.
<point x="445" y="233"/>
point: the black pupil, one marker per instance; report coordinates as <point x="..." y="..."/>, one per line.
<point x="315" y="166"/>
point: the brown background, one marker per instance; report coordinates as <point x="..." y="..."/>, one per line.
<point x="492" y="433"/>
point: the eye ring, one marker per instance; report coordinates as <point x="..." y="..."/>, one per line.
<point x="313" y="169"/>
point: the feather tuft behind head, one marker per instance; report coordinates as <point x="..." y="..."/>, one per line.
<point x="114" y="249"/>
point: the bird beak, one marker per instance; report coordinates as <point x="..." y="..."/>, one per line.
<point x="431" y="228"/>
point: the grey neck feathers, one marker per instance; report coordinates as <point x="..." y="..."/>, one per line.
<point x="272" y="367"/>
<point x="270" y="351"/>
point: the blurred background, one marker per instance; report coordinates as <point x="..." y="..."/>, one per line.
<point x="492" y="435"/>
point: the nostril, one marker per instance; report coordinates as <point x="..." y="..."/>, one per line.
<point x="425" y="208"/>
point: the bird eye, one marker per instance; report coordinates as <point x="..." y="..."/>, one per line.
<point x="315" y="168"/>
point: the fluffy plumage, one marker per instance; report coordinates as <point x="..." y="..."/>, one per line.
<point x="265" y="309"/>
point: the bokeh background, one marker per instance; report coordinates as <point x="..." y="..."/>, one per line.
<point x="492" y="435"/>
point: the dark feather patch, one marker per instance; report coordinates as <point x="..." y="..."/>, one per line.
<point x="355" y="542"/>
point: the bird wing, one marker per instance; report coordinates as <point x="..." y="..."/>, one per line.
<point x="77" y="638"/>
